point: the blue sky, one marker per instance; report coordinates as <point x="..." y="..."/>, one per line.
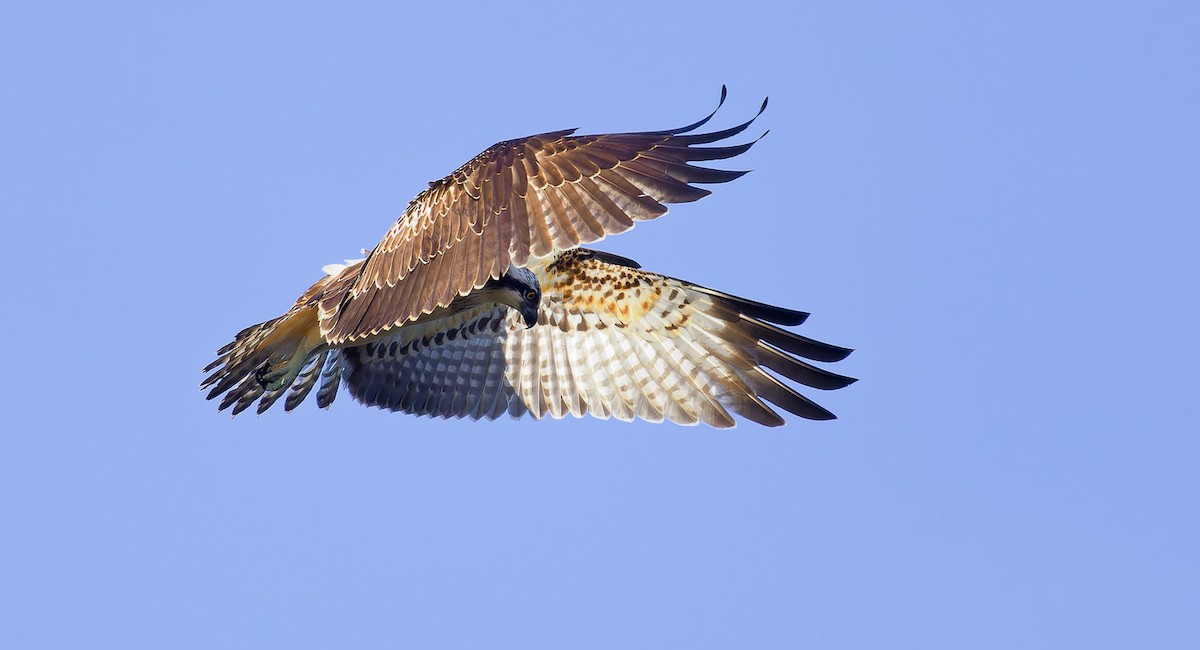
<point x="995" y="205"/>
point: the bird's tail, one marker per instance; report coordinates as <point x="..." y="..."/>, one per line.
<point x="264" y="360"/>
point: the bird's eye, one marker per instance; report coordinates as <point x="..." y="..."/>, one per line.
<point x="531" y="295"/>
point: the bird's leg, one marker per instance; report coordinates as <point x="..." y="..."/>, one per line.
<point x="293" y="342"/>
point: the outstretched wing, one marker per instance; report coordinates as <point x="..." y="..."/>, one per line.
<point x="521" y="199"/>
<point x="611" y="341"/>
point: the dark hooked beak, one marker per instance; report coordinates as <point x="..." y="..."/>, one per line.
<point x="530" y="314"/>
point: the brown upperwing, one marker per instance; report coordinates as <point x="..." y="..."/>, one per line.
<point x="520" y="199"/>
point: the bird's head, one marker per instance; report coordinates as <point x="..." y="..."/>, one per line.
<point x="519" y="288"/>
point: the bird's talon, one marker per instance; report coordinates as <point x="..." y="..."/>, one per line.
<point x="263" y="375"/>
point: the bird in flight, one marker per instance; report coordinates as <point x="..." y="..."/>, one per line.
<point x="481" y="300"/>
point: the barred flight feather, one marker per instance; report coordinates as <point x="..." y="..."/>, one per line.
<point x="682" y="353"/>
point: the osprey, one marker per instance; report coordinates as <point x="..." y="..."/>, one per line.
<point x="480" y="301"/>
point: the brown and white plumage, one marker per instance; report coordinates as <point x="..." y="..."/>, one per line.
<point x="611" y="341"/>
<point x="433" y="321"/>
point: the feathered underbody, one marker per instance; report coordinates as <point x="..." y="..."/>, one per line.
<point x="480" y="301"/>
